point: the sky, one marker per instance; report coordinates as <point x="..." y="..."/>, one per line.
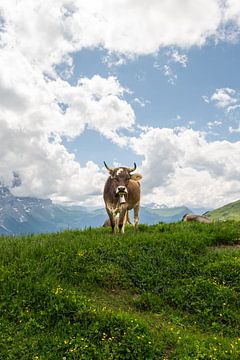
<point x="146" y="81"/>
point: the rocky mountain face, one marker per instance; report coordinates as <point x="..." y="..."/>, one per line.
<point x="26" y="215"/>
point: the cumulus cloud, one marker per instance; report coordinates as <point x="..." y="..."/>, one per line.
<point x="224" y="98"/>
<point x="232" y="11"/>
<point x="182" y="167"/>
<point x="45" y="167"/>
<point x="36" y="112"/>
<point x="96" y="103"/>
<point x="46" y="32"/>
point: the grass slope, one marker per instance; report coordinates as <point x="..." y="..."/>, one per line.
<point x="166" y="292"/>
<point x="227" y="212"/>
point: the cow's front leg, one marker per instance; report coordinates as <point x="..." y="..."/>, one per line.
<point x="112" y="219"/>
<point x="136" y="217"/>
<point x="122" y="219"/>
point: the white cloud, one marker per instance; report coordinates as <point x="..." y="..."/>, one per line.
<point x="208" y="190"/>
<point x="96" y="103"/>
<point x="45" y="167"/>
<point x="36" y="112"/>
<point x="169" y="73"/>
<point x="141" y="102"/>
<point x="184" y="168"/>
<point x="158" y="147"/>
<point x="167" y="64"/>
<point x="114" y="60"/>
<point x="227" y="99"/>
<point x="234" y="130"/>
<point x="206" y="99"/>
<point x="177" y="57"/>
<point x="46" y="32"/>
<point x="224" y="98"/>
<point x="232" y="11"/>
<point x="215" y="123"/>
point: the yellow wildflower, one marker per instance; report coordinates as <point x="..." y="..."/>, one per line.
<point x="81" y="253"/>
<point x="58" y="290"/>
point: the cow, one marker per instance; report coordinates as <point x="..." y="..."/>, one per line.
<point x="198" y="218"/>
<point x="122" y="193"/>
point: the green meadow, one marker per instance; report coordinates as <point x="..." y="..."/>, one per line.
<point x="169" y="291"/>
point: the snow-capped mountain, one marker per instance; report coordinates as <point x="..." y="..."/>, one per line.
<point x="155" y="206"/>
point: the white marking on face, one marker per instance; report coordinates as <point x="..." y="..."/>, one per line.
<point x="119" y="171"/>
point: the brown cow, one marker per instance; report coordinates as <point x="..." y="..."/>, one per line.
<point x="198" y="218"/>
<point x="122" y="193"/>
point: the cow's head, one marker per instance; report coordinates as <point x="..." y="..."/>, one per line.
<point x="120" y="177"/>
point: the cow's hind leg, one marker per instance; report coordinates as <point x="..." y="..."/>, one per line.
<point x="136" y="217"/>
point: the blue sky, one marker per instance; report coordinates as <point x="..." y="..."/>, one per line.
<point x="156" y="83"/>
<point x="161" y="102"/>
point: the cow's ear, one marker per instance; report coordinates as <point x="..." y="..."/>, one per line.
<point x="136" y="177"/>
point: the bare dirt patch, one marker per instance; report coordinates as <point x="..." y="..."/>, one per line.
<point x="236" y="245"/>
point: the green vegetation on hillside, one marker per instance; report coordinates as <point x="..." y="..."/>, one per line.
<point x="227" y="212"/>
<point x="170" y="291"/>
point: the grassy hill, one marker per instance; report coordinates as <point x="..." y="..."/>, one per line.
<point x="227" y="212"/>
<point x="170" y="291"/>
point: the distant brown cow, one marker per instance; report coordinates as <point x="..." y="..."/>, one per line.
<point x="198" y="218"/>
<point x="122" y="193"/>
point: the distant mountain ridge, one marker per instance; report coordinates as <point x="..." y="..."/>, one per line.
<point x="24" y="215"/>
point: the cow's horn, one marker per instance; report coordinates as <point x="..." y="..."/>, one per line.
<point x="134" y="168"/>
<point x="110" y="170"/>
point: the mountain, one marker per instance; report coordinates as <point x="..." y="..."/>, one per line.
<point x="24" y="215"/>
<point x="155" y="214"/>
<point x="227" y="212"/>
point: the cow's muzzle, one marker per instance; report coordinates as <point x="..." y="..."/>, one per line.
<point x="121" y="190"/>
